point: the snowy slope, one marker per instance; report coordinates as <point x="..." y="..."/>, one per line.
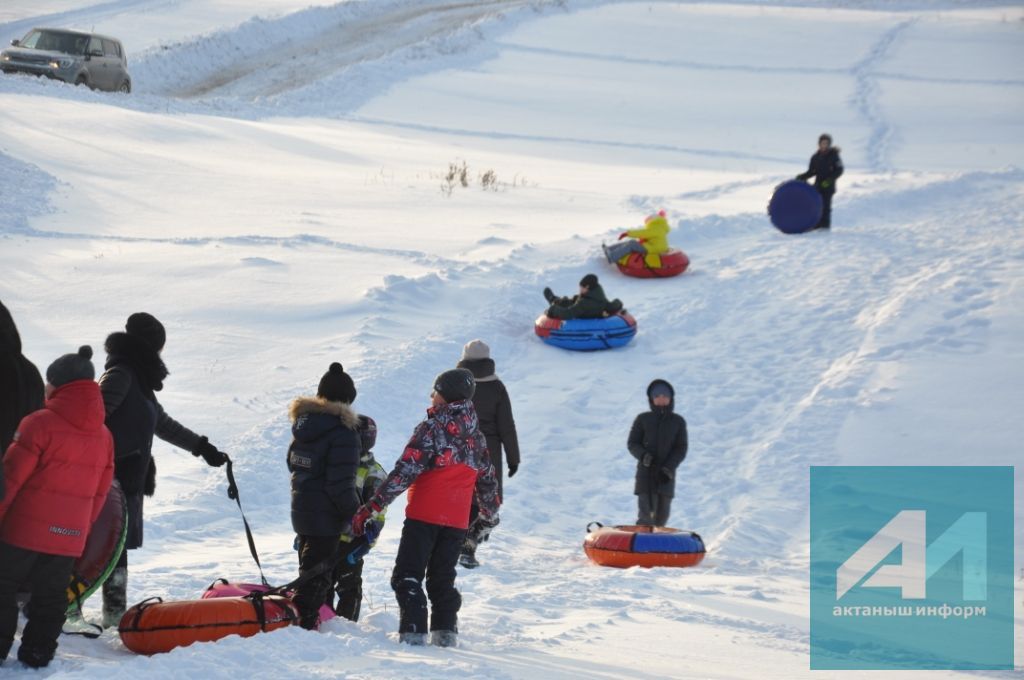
<point x="279" y="216"/>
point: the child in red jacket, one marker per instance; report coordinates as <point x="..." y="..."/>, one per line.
<point x="57" y="473"/>
<point x="444" y="467"/>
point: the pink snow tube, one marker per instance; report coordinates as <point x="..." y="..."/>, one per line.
<point x="222" y="588"/>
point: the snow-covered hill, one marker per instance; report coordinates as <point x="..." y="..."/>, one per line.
<point x="275" y="192"/>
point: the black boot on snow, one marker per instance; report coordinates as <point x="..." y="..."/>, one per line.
<point x="414" y="639"/>
<point x="444" y="638"/>
<point x="468" y="559"/>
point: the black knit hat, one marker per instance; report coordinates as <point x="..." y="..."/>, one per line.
<point x="337" y="385"/>
<point x="455" y="385"/>
<point x="590" y="280"/>
<point x="367" y="432"/>
<point x="71" y="367"/>
<point x="146" y="327"/>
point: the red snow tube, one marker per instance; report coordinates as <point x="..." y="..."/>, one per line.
<point x="641" y="546"/>
<point x="154" y="626"/>
<point x="673" y="263"/>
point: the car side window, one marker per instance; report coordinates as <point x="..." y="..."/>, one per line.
<point x="95" y="45"/>
<point x="110" y="49"/>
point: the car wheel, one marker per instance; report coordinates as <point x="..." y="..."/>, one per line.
<point x="81" y="80"/>
<point x="126" y="87"/>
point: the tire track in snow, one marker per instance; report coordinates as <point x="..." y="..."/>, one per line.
<point x="867" y="93"/>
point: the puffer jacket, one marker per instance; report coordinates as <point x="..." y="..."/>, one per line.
<point x="494" y="412"/>
<point x="826" y="168"/>
<point x="592" y="305"/>
<point x="21" y="386"/>
<point x="443" y="466"/>
<point x="58" y="471"/>
<point x="323" y="459"/>
<point x="655" y="237"/>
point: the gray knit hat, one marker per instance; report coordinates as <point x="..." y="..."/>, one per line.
<point x="476" y="349"/>
<point x="71" y="367"/>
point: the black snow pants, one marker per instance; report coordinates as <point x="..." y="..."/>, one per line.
<point x="654" y="511"/>
<point x="313" y="552"/>
<point x="47" y="576"/>
<point x="431" y="550"/>
<point x="348" y="584"/>
<point x="826" y="210"/>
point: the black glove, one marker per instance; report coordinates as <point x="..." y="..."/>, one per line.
<point x="512" y="471"/>
<point x="665" y="476"/>
<point x="549" y="295"/>
<point x="209" y="452"/>
<point x="647" y="460"/>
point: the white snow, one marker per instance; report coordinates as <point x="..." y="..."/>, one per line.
<point x="274" y="191"/>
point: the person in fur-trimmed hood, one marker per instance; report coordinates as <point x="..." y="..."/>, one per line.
<point x="494" y="411"/>
<point x="323" y="460"/>
<point x="659" y="441"/>
<point x="134" y="374"/>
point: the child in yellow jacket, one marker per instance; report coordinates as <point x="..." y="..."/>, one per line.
<point x="651" y="241"/>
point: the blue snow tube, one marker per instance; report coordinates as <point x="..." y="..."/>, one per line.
<point x="795" y="207"/>
<point x="586" y="335"/>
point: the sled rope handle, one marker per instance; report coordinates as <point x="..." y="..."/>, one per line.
<point x="233" y="495"/>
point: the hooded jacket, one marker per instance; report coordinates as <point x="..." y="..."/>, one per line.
<point x="323" y="460"/>
<point x="21" y="385"/>
<point x="654" y="235"/>
<point x="494" y="414"/>
<point x="58" y="471"/>
<point x="591" y="305"/>
<point x="444" y="466"/>
<point x="661" y="433"/>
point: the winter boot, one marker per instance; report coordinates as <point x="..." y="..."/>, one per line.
<point x="414" y="639"/>
<point x="33" y="657"/>
<point x="468" y="558"/>
<point x="444" y="638"/>
<point x="115" y="597"/>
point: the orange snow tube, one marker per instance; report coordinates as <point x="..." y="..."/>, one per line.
<point x="154" y="626"/>
<point x="641" y="546"/>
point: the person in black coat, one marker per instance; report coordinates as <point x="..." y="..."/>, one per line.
<point x="826" y="167"/>
<point x="590" y="303"/>
<point x="494" y="409"/>
<point x="134" y="374"/>
<point x="21" y="385"/>
<point x="658" y="441"/>
<point x="323" y="460"/>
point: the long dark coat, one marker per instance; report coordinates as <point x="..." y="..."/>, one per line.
<point x="21" y="386"/>
<point x="494" y="410"/>
<point x="134" y="373"/>
<point x="661" y="433"/>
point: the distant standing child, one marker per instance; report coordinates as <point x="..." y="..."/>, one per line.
<point x="494" y="411"/>
<point x="826" y="167"/>
<point x="348" y="577"/>
<point x="58" y="471"/>
<point x="323" y="458"/>
<point x="658" y="441"/>
<point x="444" y="464"/>
<point x="651" y="241"/>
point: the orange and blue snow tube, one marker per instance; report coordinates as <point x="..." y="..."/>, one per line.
<point x="154" y="626"/>
<point x="642" y="546"/>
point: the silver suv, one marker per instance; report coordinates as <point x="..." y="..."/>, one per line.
<point x="78" y="58"/>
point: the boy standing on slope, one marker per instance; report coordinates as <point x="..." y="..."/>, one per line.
<point x="444" y="464"/>
<point x="58" y="471"/>
<point x="826" y="167"/>
<point x="658" y="441"/>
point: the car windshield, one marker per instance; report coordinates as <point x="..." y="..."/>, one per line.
<point x="56" y="41"/>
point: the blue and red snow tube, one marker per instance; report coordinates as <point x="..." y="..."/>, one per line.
<point x="586" y="335"/>
<point x="642" y="546"/>
<point x="795" y="207"/>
